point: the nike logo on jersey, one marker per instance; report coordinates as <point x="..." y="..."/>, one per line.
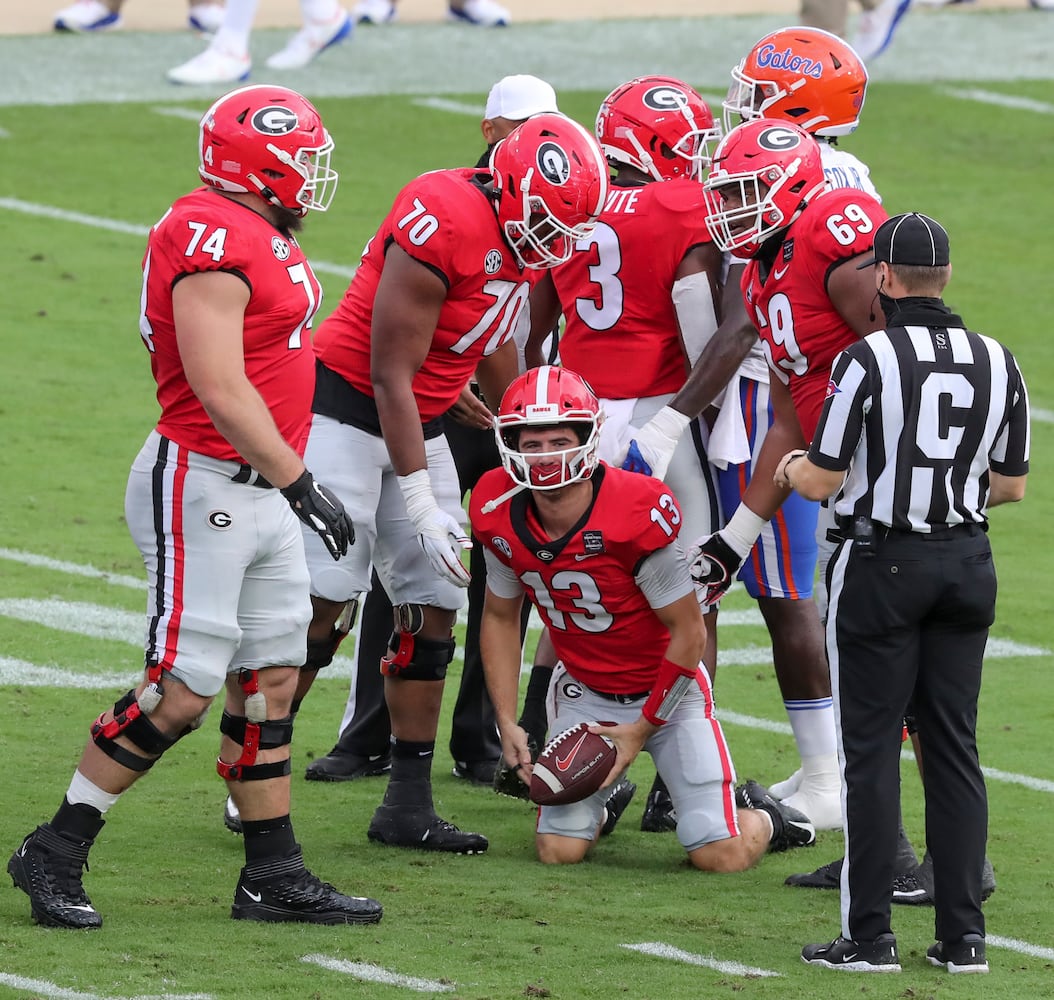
<point x="778" y="274"/>
<point x="563" y="763"/>
<point x="579" y="556"/>
<point x="254" y="896"/>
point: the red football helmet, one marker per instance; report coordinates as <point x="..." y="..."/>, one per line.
<point x="551" y="183"/>
<point x="763" y="174"/>
<point x="269" y="141"/>
<point x="802" y="75"/>
<point x="545" y="397"/>
<point x="659" y="125"/>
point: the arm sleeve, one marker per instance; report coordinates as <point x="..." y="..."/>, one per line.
<point x="500" y="578"/>
<point x="662" y="577"/>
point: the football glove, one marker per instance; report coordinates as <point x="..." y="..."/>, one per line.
<point x="322" y="512"/>
<point x="652" y="447"/>
<point x="441" y="536"/>
<point x="713" y="564"/>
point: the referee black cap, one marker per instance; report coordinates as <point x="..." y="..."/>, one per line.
<point x="913" y="239"/>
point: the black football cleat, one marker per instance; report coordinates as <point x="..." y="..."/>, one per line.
<point x="339" y="765"/>
<point x="422" y="830"/>
<point x="659" y="815"/>
<point x="828" y="876"/>
<point x="790" y="828"/>
<point x="476" y="772"/>
<point x="48" y="869"/>
<point x="231" y="817"/>
<point x="622" y="793"/>
<point x="283" y="890"/>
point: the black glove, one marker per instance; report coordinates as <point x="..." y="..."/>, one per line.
<point x="322" y="512"/>
<point x="713" y="564"/>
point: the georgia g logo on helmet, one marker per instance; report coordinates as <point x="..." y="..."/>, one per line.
<point x="275" y="120"/>
<point x="778" y="139"/>
<point x="553" y="163"/>
<point x="665" y="98"/>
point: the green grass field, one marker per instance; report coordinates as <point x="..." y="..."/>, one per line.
<point x="77" y="401"/>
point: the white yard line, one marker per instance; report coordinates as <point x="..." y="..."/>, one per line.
<point x="377" y="974"/>
<point x="44" y="988"/>
<point x="660" y="950"/>
<point x="1001" y="100"/>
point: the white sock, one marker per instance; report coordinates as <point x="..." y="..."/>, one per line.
<point x="812" y="722"/>
<point x="320" y="11"/>
<point x="233" y="36"/>
<point x="83" y="791"/>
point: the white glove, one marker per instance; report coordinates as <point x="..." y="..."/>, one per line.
<point x="652" y="447"/>
<point x="440" y="535"/>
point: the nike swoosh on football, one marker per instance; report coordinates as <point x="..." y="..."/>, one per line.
<point x="254" y="896"/>
<point x="563" y="763"/>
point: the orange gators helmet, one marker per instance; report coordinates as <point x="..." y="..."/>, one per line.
<point x="269" y="141"/>
<point x="659" y="125"/>
<point x="763" y="175"/>
<point x="551" y="183"/>
<point x="546" y="397"/>
<point x="802" y="75"/>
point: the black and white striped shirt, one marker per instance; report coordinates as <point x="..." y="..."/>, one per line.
<point x="918" y="414"/>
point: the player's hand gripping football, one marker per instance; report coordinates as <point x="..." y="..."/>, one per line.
<point x="321" y="510"/>
<point x="713" y="564"/>
<point x="441" y="536"/>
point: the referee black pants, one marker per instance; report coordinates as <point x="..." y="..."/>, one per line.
<point x="908" y="621"/>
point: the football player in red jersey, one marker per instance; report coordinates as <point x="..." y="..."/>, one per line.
<point x="435" y="300"/>
<point x="228" y="299"/>
<point x="595" y="550"/>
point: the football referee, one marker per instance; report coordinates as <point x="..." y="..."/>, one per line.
<point x="925" y="427"/>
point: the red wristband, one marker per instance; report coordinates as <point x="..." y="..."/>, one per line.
<point x="671" y="684"/>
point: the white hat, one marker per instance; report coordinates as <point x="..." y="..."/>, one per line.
<point x="519" y="97"/>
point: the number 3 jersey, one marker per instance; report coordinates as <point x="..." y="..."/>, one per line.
<point x="800" y="329"/>
<point x="586" y="585"/>
<point x="445" y="220"/>
<point x="205" y="231"/>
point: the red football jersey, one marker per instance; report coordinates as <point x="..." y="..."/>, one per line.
<point x="621" y="330"/>
<point x="446" y="221"/>
<point x="602" y="627"/>
<point x="800" y="330"/>
<point x="204" y="231"/>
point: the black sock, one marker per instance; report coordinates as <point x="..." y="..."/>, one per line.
<point x="78" y="822"/>
<point x="410" y="782"/>
<point x="268" y="838"/>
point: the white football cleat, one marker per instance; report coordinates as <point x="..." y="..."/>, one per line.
<point x="211" y="66"/>
<point x="785" y="789"/>
<point x="374" y="11"/>
<point x="484" y="12"/>
<point x="205" y="17"/>
<point x="86" y="15"/>
<point x="309" y="41"/>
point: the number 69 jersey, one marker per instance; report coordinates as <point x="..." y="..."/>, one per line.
<point x="204" y="231"/>
<point x="584" y="584"/>
<point x="445" y="221"/>
<point x="800" y="329"/>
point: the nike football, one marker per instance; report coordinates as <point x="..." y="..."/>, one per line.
<point x="572" y="766"/>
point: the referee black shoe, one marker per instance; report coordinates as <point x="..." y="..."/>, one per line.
<point x="915" y="887"/>
<point x="422" y="830"/>
<point x="790" y="828"/>
<point x="279" y="890"/>
<point x="879" y="955"/>
<point x="964" y="955"/>
<point x="48" y="869"/>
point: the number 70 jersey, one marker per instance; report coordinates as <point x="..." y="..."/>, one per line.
<point x="445" y="220"/>
<point x="583" y="584"/>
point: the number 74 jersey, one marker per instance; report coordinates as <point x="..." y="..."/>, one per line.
<point x="584" y="584"/>
<point x="801" y="331"/>
<point x="204" y="231"/>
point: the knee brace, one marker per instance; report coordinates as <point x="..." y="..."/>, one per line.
<point x="415" y="658"/>
<point x="130" y="720"/>
<point x="320" y="652"/>
<point x="254" y="737"/>
<point x="255" y="732"/>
